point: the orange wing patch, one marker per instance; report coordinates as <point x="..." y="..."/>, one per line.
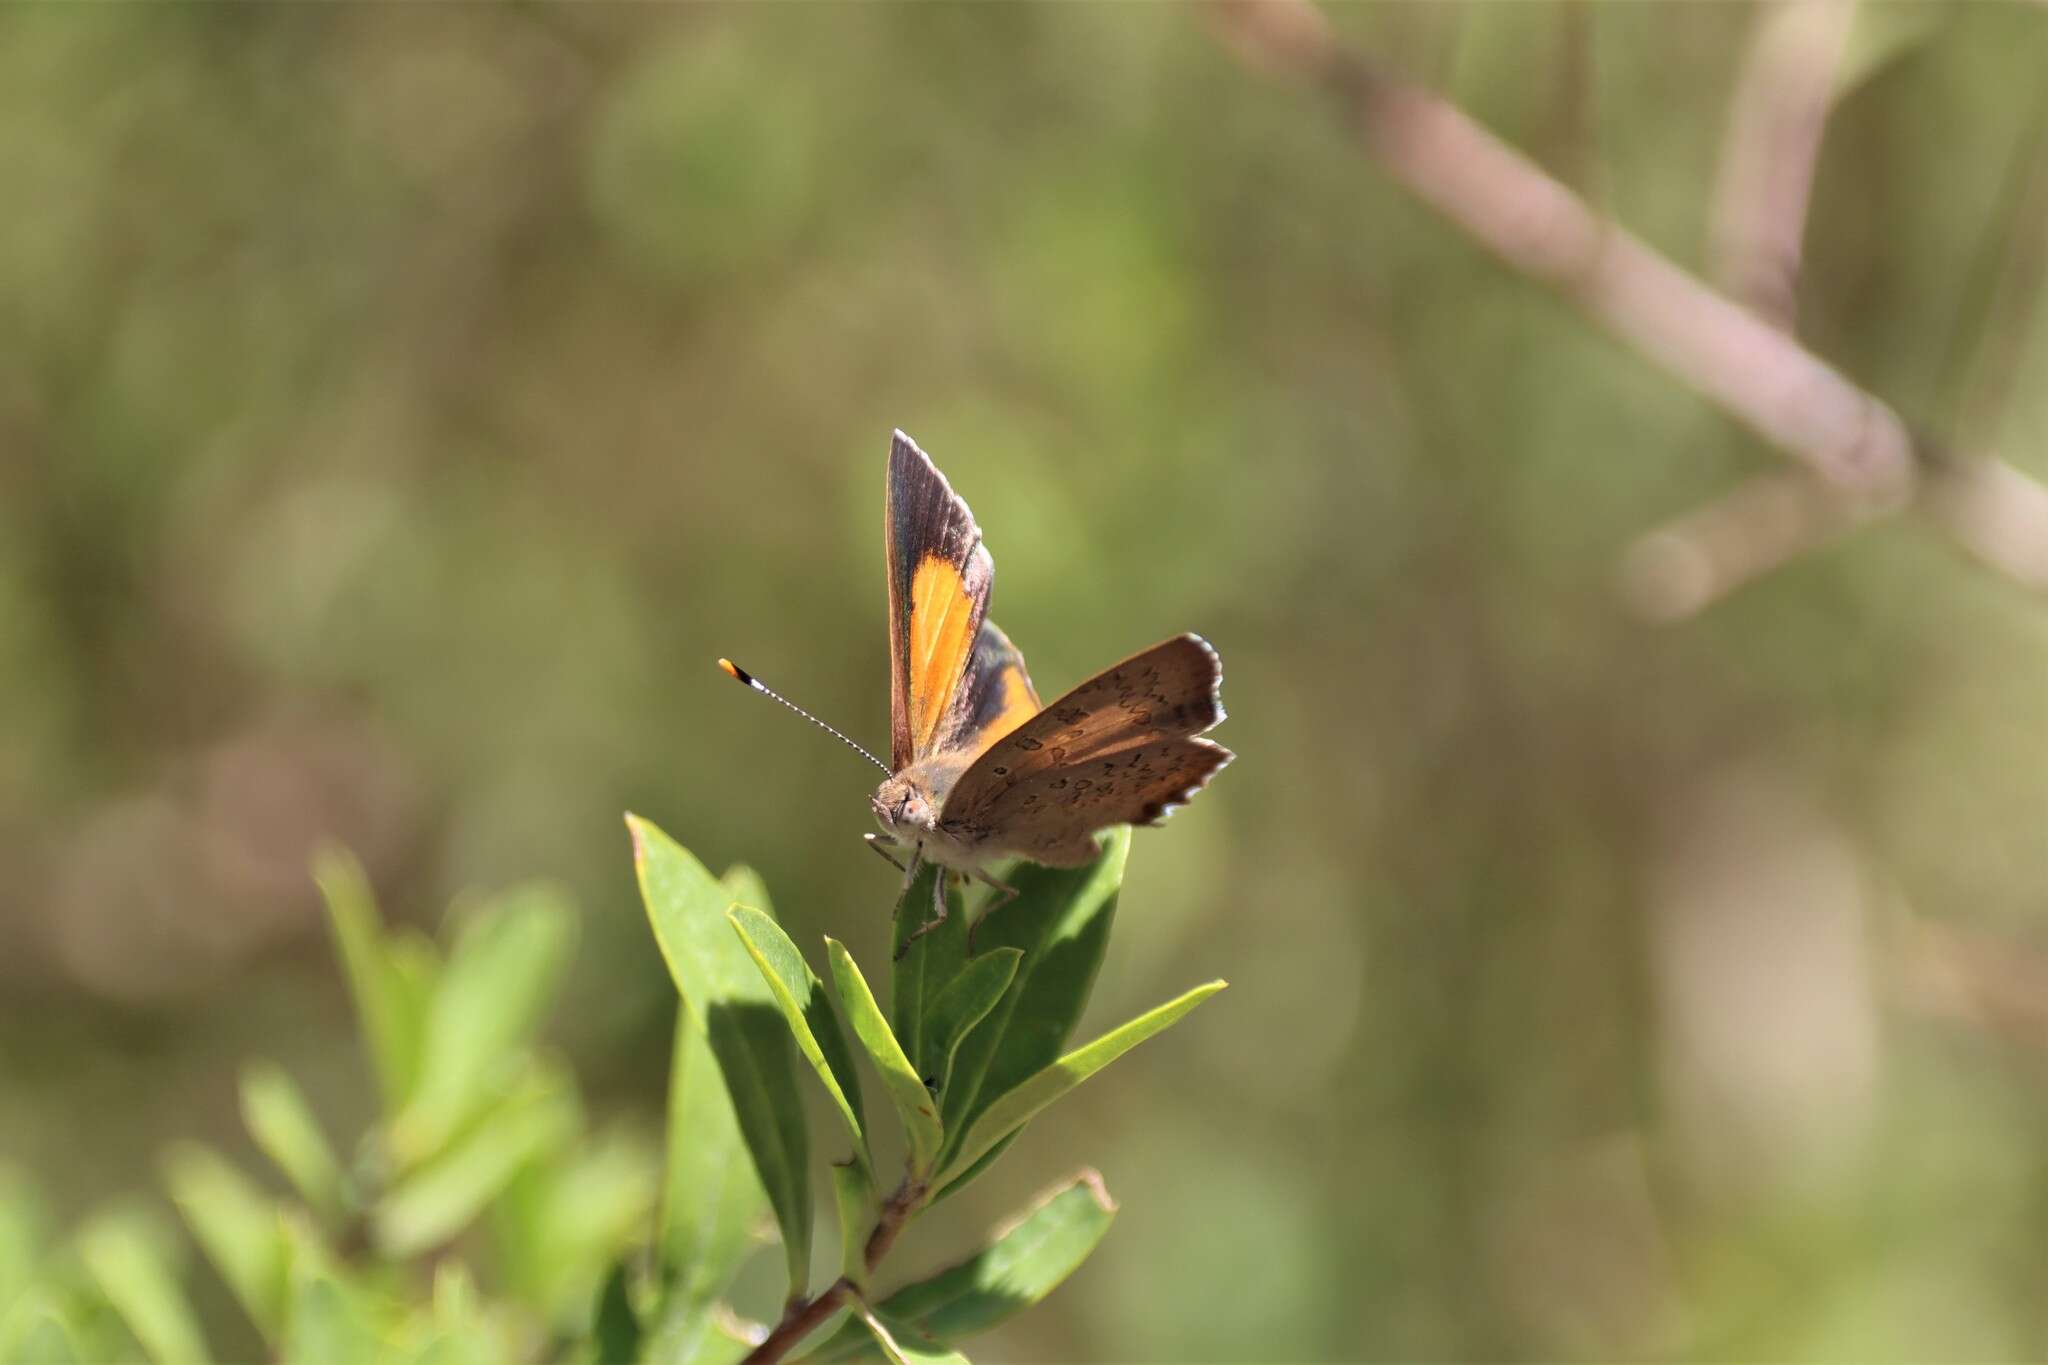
<point x="942" y="627"/>
<point x="1019" y="704"/>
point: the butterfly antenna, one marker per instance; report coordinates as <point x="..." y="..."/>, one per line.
<point x="740" y="675"/>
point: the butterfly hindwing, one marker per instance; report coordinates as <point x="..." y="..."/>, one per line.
<point x="1119" y="749"/>
<point x="939" y="580"/>
<point x="996" y="698"/>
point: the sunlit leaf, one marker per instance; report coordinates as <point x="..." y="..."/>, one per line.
<point x="901" y="1347"/>
<point x="801" y="997"/>
<point x="1022" y="1264"/>
<point x="723" y="992"/>
<point x="1061" y="919"/>
<point x="914" y="1104"/>
<point x="1017" y="1107"/>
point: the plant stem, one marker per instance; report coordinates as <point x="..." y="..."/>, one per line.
<point x="805" y="1317"/>
<point x="800" y="1321"/>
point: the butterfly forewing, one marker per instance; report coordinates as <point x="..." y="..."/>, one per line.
<point x="939" y="579"/>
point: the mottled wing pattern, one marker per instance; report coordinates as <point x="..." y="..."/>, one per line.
<point x="1119" y="749"/>
<point x="996" y="698"/>
<point x="939" y="579"/>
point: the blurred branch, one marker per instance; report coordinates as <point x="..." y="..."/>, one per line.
<point x="1775" y="123"/>
<point x="1858" y="448"/>
<point x="1686" y="565"/>
<point x="1989" y="983"/>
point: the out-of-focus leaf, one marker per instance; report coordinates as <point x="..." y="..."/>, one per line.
<point x="37" y="1331"/>
<point x="723" y="993"/>
<point x="711" y="1194"/>
<point x="914" y="1104"/>
<point x="283" y="1125"/>
<point x="1061" y="919"/>
<point x="133" y="1260"/>
<point x="964" y="1003"/>
<point x="801" y="997"/>
<point x="853" y="1191"/>
<point x="1880" y="36"/>
<point x="437" y="1200"/>
<point x="561" y="1223"/>
<point x="922" y="966"/>
<point x="21" y="1234"/>
<point x="901" y="1346"/>
<point x="386" y="1005"/>
<point x="500" y="978"/>
<point x="746" y="888"/>
<point x="330" y="1325"/>
<point x="616" y="1332"/>
<point x="1016" y="1108"/>
<point x="456" y="1331"/>
<point x="1025" y="1262"/>
<point x="710" y="1337"/>
<point x="238" y="1228"/>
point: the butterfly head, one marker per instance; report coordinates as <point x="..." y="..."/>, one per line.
<point x="903" y="809"/>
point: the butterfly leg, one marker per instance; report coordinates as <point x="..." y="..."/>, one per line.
<point x="1005" y="893"/>
<point x="938" y="913"/>
<point x="882" y="843"/>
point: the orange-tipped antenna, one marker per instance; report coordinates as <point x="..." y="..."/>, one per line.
<point x="740" y="675"/>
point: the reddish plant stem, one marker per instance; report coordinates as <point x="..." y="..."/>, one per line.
<point x="806" y="1316"/>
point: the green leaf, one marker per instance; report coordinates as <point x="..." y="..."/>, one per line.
<point x="964" y="1003"/>
<point x="21" y="1234"/>
<point x="900" y="1347"/>
<point x="711" y="1196"/>
<point x="745" y="887"/>
<point x="1026" y="1261"/>
<point x="437" y="1200"/>
<point x="283" y="1125"/>
<point x="853" y="1190"/>
<point x="617" y="1329"/>
<point x="923" y="966"/>
<point x="1018" y="1107"/>
<point x="238" y="1228"/>
<point x="801" y="997"/>
<point x="724" y="993"/>
<point x="562" y="1221"/>
<point x="37" y="1330"/>
<point x="132" y="1259"/>
<point x="386" y="1005"/>
<point x="500" y="978"/>
<point x="914" y="1104"/>
<point x="715" y="1338"/>
<point x="330" y="1325"/>
<point x="1061" y="918"/>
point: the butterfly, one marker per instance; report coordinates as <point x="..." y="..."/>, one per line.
<point x="979" y="771"/>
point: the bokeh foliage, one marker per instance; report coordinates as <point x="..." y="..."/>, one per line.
<point x="407" y="404"/>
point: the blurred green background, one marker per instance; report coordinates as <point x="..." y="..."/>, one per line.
<point x="402" y="407"/>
